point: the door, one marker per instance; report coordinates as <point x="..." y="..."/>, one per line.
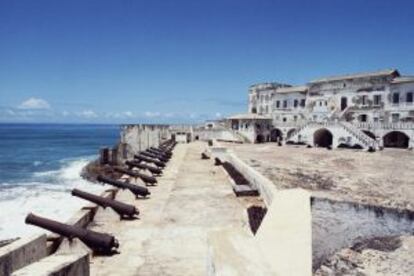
<point x="344" y="103"/>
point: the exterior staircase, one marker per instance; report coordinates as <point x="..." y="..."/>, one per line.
<point x="237" y="134"/>
<point x="364" y="140"/>
<point x="240" y="136"/>
<point x="293" y="135"/>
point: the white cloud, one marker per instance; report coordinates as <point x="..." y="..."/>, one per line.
<point x="152" y="114"/>
<point x="218" y="115"/>
<point x="128" y="114"/>
<point x="65" y="113"/>
<point x="89" y="114"/>
<point x="10" y="112"/>
<point x="117" y="115"/>
<point x="169" y="115"/>
<point x="34" y="103"/>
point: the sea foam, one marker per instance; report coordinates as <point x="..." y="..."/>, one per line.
<point x="46" y="194"/>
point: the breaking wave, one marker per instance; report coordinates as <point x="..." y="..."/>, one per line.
<point x="45" y="193"/>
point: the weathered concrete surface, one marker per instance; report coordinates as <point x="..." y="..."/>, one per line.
<point x="234" y="252"/>
<point x="285" y="235"/>
<point x="192" y="198"/>
<point x="282" y="245"/>
<point x="21" y="253"/>
<point x="58" y="264"/>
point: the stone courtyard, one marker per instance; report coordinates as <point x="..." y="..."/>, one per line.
<point x="383" y="178"/>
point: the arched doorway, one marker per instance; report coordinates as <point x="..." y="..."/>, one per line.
<point x="369" y="133"/>
<point x="260" y="139"/>
<point x="276" y="135"/>
<point x="396" y="139"/>
<point x="322" y="138"/>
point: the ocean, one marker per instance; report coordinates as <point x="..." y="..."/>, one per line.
<point x="40" y="164"/>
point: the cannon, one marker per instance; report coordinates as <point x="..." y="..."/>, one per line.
<point x="122" y="209"/>
<point x="160" y="150"/>
<point x="138" y="165"/>
<point x="155" y="156"/>
<point x="163" y="154"/>
<point x="149" y="160"/>
<point x="146" y="178"/>
<point x="98" y="242"/>
<point x="135" y="189"/>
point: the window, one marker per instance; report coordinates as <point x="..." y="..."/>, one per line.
<point x="284" y="104"/>
<point x="277" y="104"/>
<point x="364" y="100"/>
<point x="302" y="102"/>
<point x="284" y="119"/>
<point x="377" y="99"/>
<point x="376" y="119"/>
<point x="363" y="118"/>
<point x="326" y="103"/>
<point x="295" y="118"/>
<point x="396" y="98"/>
<point x="409" y="97"/>
<point x="395" y="117"/>
<point x="295" y="103"/>
<point x="320" y="103"/>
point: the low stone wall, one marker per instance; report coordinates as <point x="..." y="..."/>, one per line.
<point x="265" y="187"/>
<point x="33" y="250"/>
<point x="21" y="253"/>
<point x="218" y="134"/>
<point x="283" y="242"/>
<point x="61" y="264"/>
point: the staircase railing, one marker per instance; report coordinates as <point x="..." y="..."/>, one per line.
<point x="360" y="135"/>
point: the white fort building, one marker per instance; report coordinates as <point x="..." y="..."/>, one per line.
<point x="366" y="110"/>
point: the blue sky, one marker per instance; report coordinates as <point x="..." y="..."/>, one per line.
<point x="179" y="61"/>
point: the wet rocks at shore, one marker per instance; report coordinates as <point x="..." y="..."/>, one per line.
<point x="91" y="171"/>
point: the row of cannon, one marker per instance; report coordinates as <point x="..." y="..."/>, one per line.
<point x="153" y="160"/>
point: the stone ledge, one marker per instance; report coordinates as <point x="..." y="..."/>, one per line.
<point x="22" y="253"/>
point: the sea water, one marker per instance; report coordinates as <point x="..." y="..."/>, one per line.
<point x="39" y="166"/>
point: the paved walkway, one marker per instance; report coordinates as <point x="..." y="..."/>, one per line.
<point x="192" y="198"/>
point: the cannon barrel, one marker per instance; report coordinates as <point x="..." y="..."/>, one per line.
<point x="162" y="150"/>
<point x="155" y="156"/>
<point x="164" y="155"/>
<point x="121" y="208"/>
<point x="135" y="189"/>
<point x="145" y="178"/>
<point x="152" y="169"/>
<point x="149" y="160"/>
<point x="98" y="242"/>
<point x="166" y="152"/>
